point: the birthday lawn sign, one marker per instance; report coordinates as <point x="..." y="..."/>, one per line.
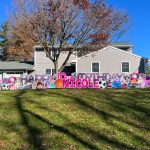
<point x="81" y="80"/>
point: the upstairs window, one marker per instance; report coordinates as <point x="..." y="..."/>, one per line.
<point x="95" y="67"/>
<point x="125" y="67"/>
<point x="54" y="52"/>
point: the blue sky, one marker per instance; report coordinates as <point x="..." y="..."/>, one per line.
<point x="138" y="33"/>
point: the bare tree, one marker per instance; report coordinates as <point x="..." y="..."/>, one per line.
<point x="83" y="4"/>
<point x="59" y="22"/>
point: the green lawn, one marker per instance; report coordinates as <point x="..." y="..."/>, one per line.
<point x="70" y="119"/>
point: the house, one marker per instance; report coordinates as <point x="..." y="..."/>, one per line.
<point x="111" y="59"/>
<point x="117" y="58"/>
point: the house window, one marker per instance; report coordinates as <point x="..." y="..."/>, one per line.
<point x="53" y="71"/>
<point x="125" y="67"/>
<point x="50" y="71"/>
<point x="54" y="52"/>
<point x="95" y="67"/>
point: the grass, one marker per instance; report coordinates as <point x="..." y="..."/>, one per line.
<point x="70" y="119"/>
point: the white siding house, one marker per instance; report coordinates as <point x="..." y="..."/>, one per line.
<point x="111" y="59"/>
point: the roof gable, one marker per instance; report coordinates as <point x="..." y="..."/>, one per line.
<point x="105" y="48"/>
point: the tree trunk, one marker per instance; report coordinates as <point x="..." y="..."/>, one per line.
<point x="65" y="62"/>
<point x="56" y="66"/>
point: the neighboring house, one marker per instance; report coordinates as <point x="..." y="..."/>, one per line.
<point x="117" y="58"/>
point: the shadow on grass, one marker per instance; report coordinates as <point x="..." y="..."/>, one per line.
<point x="107" y="116"/>
<point x="78" y="139"/>
<point x="121" y="106"/>
<point x="134" y="103"/>
<point x="35" y="134"/>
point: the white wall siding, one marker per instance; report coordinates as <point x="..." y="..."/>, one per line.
<point x="42" y="62"/>
<point x="110" y="59"/>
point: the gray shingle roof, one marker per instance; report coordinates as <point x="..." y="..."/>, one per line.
<point x="12" y="65"/>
